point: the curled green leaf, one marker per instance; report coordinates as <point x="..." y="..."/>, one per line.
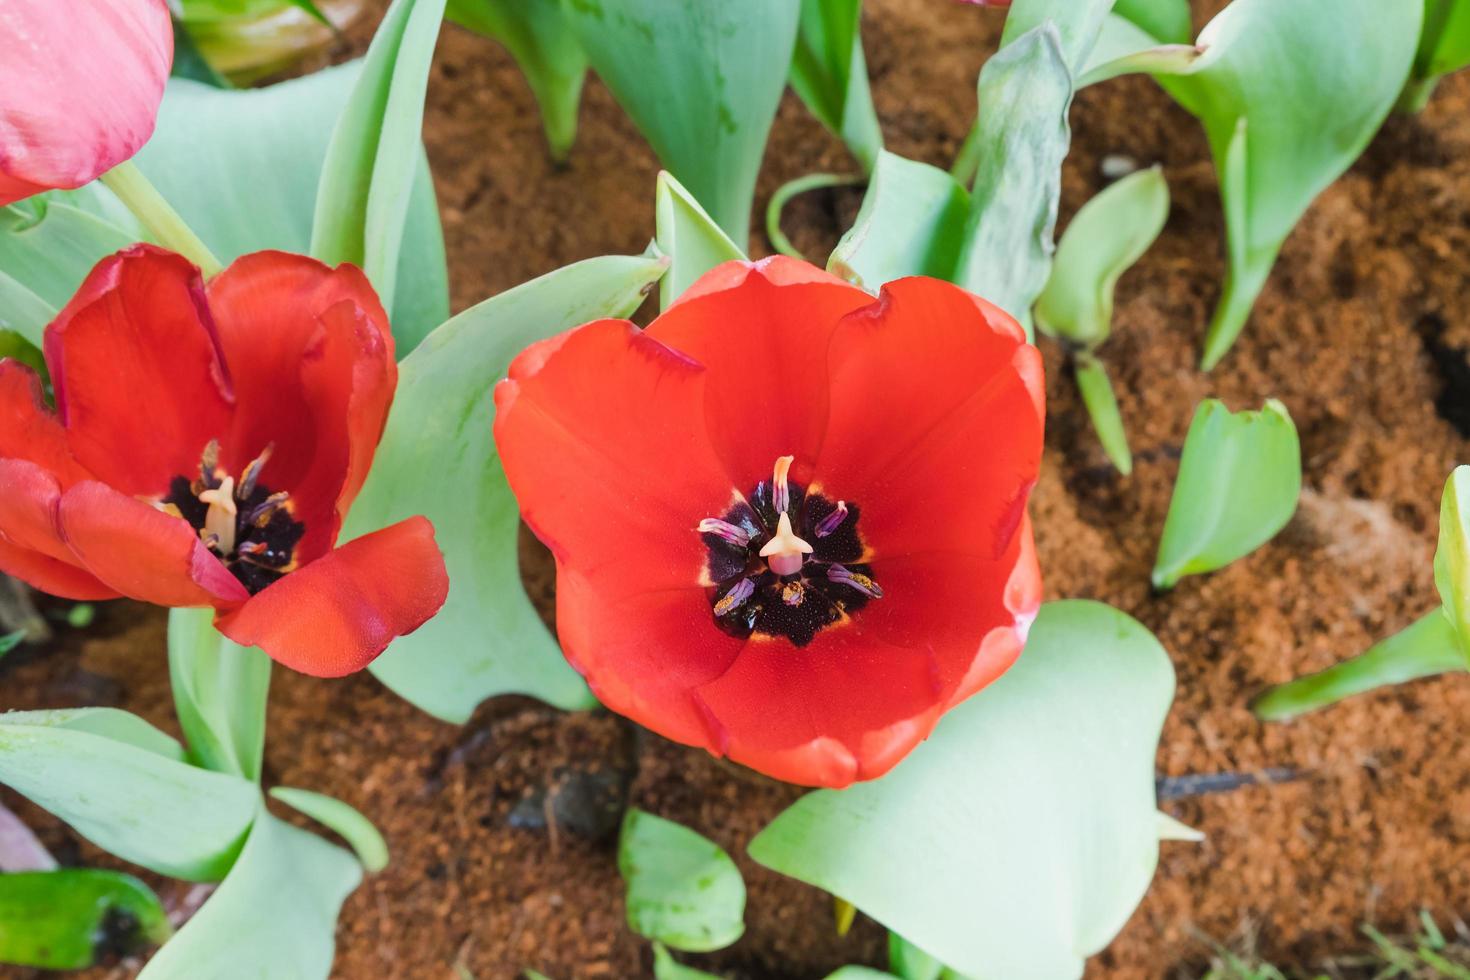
<point x="830" y="74"/>
<point x="1239" y="480"/>
<point x="683" y="889"/>
<point x="912" y="223"/>
<point x="688" y="236"/>
<point x="64" y="919"/>
<point x="349" y="823"/>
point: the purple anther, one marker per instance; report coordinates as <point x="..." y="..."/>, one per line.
<point x="735" y="598"/>
<point x="854" y="580"/>
<point x="833" y="520"/>
<point x="725" y="531"/>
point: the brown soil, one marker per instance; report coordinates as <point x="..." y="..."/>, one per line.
<point x="1358" y="333"/>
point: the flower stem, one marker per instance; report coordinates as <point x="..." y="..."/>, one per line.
<point x="162" y="221"/>
<point x="1415" y="95"/>
<point x="790" y="189"/>
<point x="1426" y="648"/>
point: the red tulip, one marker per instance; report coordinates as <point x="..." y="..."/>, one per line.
<point x="79" y="88"/>
<point x="206" y="443"/>
<point x="789" y="520"/>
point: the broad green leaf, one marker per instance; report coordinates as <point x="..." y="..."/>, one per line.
<point x="1166" y="20"/>
<point x="689" y="237"/>
<point x="1452" y="557"/>
<point x="1124" y="48"/>
<point x="54" y="919"/>
<point x="363" y="199"/>
<point x="830" y="74"/>
<point x="909" y="962"/>
<point x="1108" y="235"/>
<point x="1031" y="805"/>
<point x="701" y="81"/>
<point x="23" y="315"/>
<point x="1289" y="95"/>
<point x="219" y="690"/>
<point x="912" y="222"/>
<point x="438" y="458"/>
<point x="47" y="247"/>
<point x="1239" y="480"/>
<point x="1444" y="47"/>
<point x="275" y="915"/>
<point x="665" y="967"/>
<point x="1076" y="23"/>
<point x="349" y="823"/>
<point x="1427" y="647"/>
<point x="1025" y="90"/>
<point x="111" y="723"/>
<point x="683" y="889"/>
<point x="131" y="801"/>
<point x="539" y="37"/>
<point x="242" y="168"/>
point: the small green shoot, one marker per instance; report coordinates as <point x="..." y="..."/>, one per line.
<point x="1437" y="643"/>
<point x="683" y="890"/>
<point x="10" y="641"/>
<point x="1239" y="480"/>
<point x="1108" y="235"/>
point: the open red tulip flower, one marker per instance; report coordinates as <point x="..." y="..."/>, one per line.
<point x="80" y="86"/>
<point x="789" y="520"/>
<point x="206" y="444"/>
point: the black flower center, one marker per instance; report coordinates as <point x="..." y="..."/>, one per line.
<point x="251" y="529"/>
<point x="785" y="562"/>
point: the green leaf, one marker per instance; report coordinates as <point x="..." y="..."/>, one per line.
<point x="219" y="690"/>
<point x="275" y="915"/>
<point x="10" y="641"/>
<point x="1444" y="47"/>
<point x="859" y="973"/>
<point x="1166" y="20"/>
<point x="1102" y="407"/>
<point x="438" y="458"/>
<point x="1428" y="647"/>
<point x="689" y="237"/>
<point x="348" y="822"/>
<point x="1239" y="480"/>
<point x="363" y="199"/>
<point x="47" y="247"/>
<point x="665" y="967"/>
<point x="1289" y="95"/>
<point x="539" y="37"/>
<point x="912" y="223"/>
<point x="683" y="889"/>
<point x="190" y="63"/>
<point x="1032" y="805"/>
<point x="1124" y="48"/>
<point x="830" y="74"/>
<point x="23" y="317"/>
<point x="1025" y="90"/>
<point x="1076" y="24"/>
<point x="909" y="962"/>
<point x="54" y="919"/>
<point x="701" y="81"/>
<point x="1452" y="557"/>
<point x="242" y="168"/>
<point x="1108" y="235"/>
<point x="127" y="799"/>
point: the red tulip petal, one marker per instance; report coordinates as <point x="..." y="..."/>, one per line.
<point x="311" y="358"/>
<point x="28" y="430"/>
<point x="601" y="432"/>
<point x="141" y="551"/>
<point x="135" y="365"/>
<point x="763" y="330"/>
<point x="936" y="424"/>
<point x="29" y="496"/>
<point x="48" y="575"/>
<point x="336" y="615"/>
<point x="78" y="94"/>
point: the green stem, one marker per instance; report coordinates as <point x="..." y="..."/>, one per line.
<point x="1428" y="647"/>
<point x="967" y="161"/>
<point x="1102" y="405"/>
<point x="162" y="221"/>
<point x="790" y="189"/>
<point x="1243" y="284"/>
<point x="1415" y="95"/>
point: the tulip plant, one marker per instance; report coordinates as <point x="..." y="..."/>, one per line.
<point x="789" y="517"/>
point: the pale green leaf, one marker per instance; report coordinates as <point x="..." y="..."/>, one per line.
<point x="349" y="823"/>
<point x="438" y="458"/>
<point x="909" y="962"/>
<point x="219" y="690"/>
<point x="701" y="81"/>
<point x="665" y="967"/>
<point x="1096" y="389"/>
<point x="363" y="199"/>
<point x="274" y="916"/>
<point x="690" y="238"/>
<point x="539" y="37"/>
<point x="23" y="314"/>
<point x="1166" y="20"/>
<point x="1031" y="805"/>
<point x="242" y="168"/>
<point x="1238" y="484"/>
<point x="1076" y="24"/>
<point x="830" y="74"/>
<point x="131" y="801"/>
<point x="112" y="723"/>
<point x="912" y="222"/>
<point x="859" y="973"/>
<point x="47" y="247"/>
<point x="1124" y="48"/>
<point x="683" y="889"/>
<point x="1452" y="557"/>
<point x="1108" y="235"/>
<point x="53" y="919"/>
<point x="1025" y="90"/>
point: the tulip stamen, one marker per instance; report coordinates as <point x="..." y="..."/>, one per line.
<point x="219" y="520"/>
<point x="785" y="553"/>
